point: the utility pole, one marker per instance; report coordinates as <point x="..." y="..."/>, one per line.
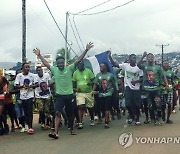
<point x="66" y="31"/>
<point x="162" y="56"/>
<point x="23" y="31"/>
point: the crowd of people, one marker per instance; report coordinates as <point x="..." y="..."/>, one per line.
<point x="70" y="91"/>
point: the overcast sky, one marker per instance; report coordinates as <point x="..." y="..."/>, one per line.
<point x="134" y="28"/>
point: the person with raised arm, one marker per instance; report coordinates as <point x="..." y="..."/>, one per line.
<point x="64" y="87"/>
<point x="153" y="75"/>
<point x="132" y="80"/>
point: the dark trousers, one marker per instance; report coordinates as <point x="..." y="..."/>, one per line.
<point x="66" y="101"/>
<point x="28" y="111"/>
<point x="133" y="102"/>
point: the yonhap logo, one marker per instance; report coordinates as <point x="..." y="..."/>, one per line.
<point x="126" y="139"/>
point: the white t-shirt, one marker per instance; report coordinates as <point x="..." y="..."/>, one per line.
<point x="43" y="91"/>
<point x="28" y="79"/>
<point x="131" y="73"/>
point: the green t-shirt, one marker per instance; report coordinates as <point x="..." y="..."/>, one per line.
<point x="170" y="78"/>
<point x="109" y="85"/>
<point x="152" y="77"/>
<point x="11" y="85"/>
<point x="63" y="79"/>
<point x="116" y="72"/>
<point x="83" y="78"/>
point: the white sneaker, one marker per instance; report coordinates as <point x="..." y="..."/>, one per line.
<point x="137" y="123"/>
<point x="80" y="126"/>
<point x="92" y="123"/>
<point x="129" y="121"/>
<point x="26" y="127"/>
<point x="95" y="118"/>
<point x="23" y="130"/>
<point x="174" y="111"/>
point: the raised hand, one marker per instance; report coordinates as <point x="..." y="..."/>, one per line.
<point x="36" y="51"/>
<point x="109" y="53"/>
<point x="89" y="46"/>
<point x="145" y="54"/>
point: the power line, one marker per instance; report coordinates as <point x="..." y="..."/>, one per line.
<point x="40" y="19"/>
<point x="59" y="27"/>
<point x="106" y="10"/>
<point x="74" y="34"/>
<point x="173" y="36"/>
<point x="78" y="33"/>
<point x="91" y="7"/>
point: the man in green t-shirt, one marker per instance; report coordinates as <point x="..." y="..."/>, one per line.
<point x="64" y="88"/>
<point x="153" y="74"/>
<point x="167" y="94"/>
<point x="82" y="79"/>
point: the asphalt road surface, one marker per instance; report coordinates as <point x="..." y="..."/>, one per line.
<point x="97" y="140"/>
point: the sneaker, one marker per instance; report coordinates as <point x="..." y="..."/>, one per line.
<point x="23" y="130"/>
<point x="137" y="123"/>
<point x="42" y="126"/>
<point x="26" y="127"/>
<point x="106" y="126"/>
<point x="169" y="121"/>
<point x="92" y="123"/>
<point x="155" y="122"/>
<point x="129" y="121"/>
<point x="174" y="111"/>
<point x="30" y="131"/>
<point x="80" y="126"/>
<point x="95" y="118"/>
<point x="72" y="132"/>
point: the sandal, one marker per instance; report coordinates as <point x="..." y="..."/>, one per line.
<point x="53" y="135"/>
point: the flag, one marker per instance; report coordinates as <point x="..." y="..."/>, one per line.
<point x="93" y="63"/>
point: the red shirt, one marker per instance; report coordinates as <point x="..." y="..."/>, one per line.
<point x="178" y="88"/>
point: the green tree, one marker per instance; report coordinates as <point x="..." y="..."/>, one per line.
<point x="61" y="52"/>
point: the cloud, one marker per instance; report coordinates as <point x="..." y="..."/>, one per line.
<point x="135" y="28"/>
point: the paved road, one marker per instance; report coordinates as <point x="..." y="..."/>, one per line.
<point x="93" y="140"/>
